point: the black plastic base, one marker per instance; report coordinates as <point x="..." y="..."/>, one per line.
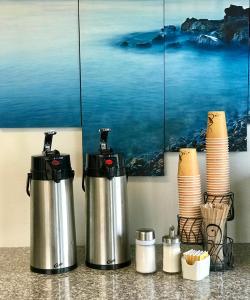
<point x="53" y="271"/>
<point x="108" y="267"/>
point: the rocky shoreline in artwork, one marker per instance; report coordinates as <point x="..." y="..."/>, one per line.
<point x="140" y="166"/>
<point x="146" y="165"/>
<point x="203" y="33"/>
<point x="237" y="132"/>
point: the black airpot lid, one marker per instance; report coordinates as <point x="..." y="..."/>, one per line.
<point x="105" y="163"/>
<point x="51" y="165"/>
<point x="98" y="165"/>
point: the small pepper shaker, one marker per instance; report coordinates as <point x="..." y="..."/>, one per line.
<point x="145" y="261"/>
<point x="171" y="252"/>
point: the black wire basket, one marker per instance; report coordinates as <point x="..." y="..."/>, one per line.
<point x="220" y="250"/>
<point x="222" y="198"/>
<point x="190" y="230"/>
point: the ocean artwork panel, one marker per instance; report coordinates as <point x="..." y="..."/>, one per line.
<point x="39" y="70"/>
<point x="123" y="80"/>
<point x="206" y="70"/>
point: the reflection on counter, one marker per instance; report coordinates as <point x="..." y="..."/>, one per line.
<point x="18" y="282"/>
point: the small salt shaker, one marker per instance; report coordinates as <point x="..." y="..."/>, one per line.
<point x="171" y="252"/>
<point x="145" y="261"/>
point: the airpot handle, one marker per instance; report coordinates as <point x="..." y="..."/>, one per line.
<point x="104" y="140"/>
<point x="29" y="175"/>
<point x="48" y="141"/>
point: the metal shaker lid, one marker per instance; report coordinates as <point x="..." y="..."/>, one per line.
<point x="172" y="238"/>
<point x="145" y="234"/>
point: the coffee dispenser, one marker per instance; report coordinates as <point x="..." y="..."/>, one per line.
<point x="52" y="237"/>
<point x="107" y="242"/>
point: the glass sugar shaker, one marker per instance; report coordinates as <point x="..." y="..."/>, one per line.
<point x="145" y="261"/>
<point x="171" y="252"/>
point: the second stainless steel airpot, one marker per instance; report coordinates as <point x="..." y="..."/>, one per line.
<point x="107" y="241"/>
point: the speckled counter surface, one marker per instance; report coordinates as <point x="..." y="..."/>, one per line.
<point x="17" y="282"/>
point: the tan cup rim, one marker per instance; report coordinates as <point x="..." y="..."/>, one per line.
<point x="188" y="179"/>
<point x="189" y="176"/>
<point x="217" y="149"/>
<point x="218" y="186"/>
<point x="221" y="170"/>
<point x="216" y="153"/>
<point x="215" y="193"/>
<point x="190" y="202"/>
<point x="217" y="157"/>
<point x="212" y="163"/>
<point x="222" y="160"/>
<point x="217" y="175"/>
<point x="218" y="190"/>
<point x="189" y="222"/>
<point x="195" y="193"/>
<point x="190" y="196"/>
<point x="189" y="187"/>
<point x="190" y="183"/>
<point x="190" y="215"/>
<point x="217" y="146"/>
<point x="217" y="138"/>
<point x="217" y="180"/>
<point x="194" y="213"/>
<point x="193" y="207"/>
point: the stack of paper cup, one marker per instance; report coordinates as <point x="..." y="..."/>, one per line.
<point x="217" y="154"/>
<point x="189" y="188"/>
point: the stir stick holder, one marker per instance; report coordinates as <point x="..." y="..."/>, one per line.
<point x="221" y="253"/>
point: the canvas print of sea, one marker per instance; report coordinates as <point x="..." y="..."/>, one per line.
<point x="206" y="70"/>
<point x="123" y="80"/>
<point x="39" y="70"/>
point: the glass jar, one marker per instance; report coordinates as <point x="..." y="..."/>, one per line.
<point x="171" y="252"/>
<point x="145" y="261"/>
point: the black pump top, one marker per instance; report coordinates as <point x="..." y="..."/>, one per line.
<point x="51" y="165"/>
<point x="106" y="163"/>
<point x="104" y="150"/>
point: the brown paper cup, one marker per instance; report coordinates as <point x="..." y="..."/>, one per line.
<point x="216" y="125"/>
<point x="188" y="162"/>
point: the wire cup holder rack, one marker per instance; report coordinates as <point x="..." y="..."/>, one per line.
<point x="222" y="198"/>
<point x="192" y="231"/>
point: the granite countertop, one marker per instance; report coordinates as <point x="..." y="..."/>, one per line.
<point x="17" y="282"/>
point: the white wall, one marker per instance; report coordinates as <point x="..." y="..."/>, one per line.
<point x="152" y="200"/>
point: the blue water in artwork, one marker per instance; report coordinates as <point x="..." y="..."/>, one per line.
<point x="39" y="66"/>
<point x="123" y="87"/>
